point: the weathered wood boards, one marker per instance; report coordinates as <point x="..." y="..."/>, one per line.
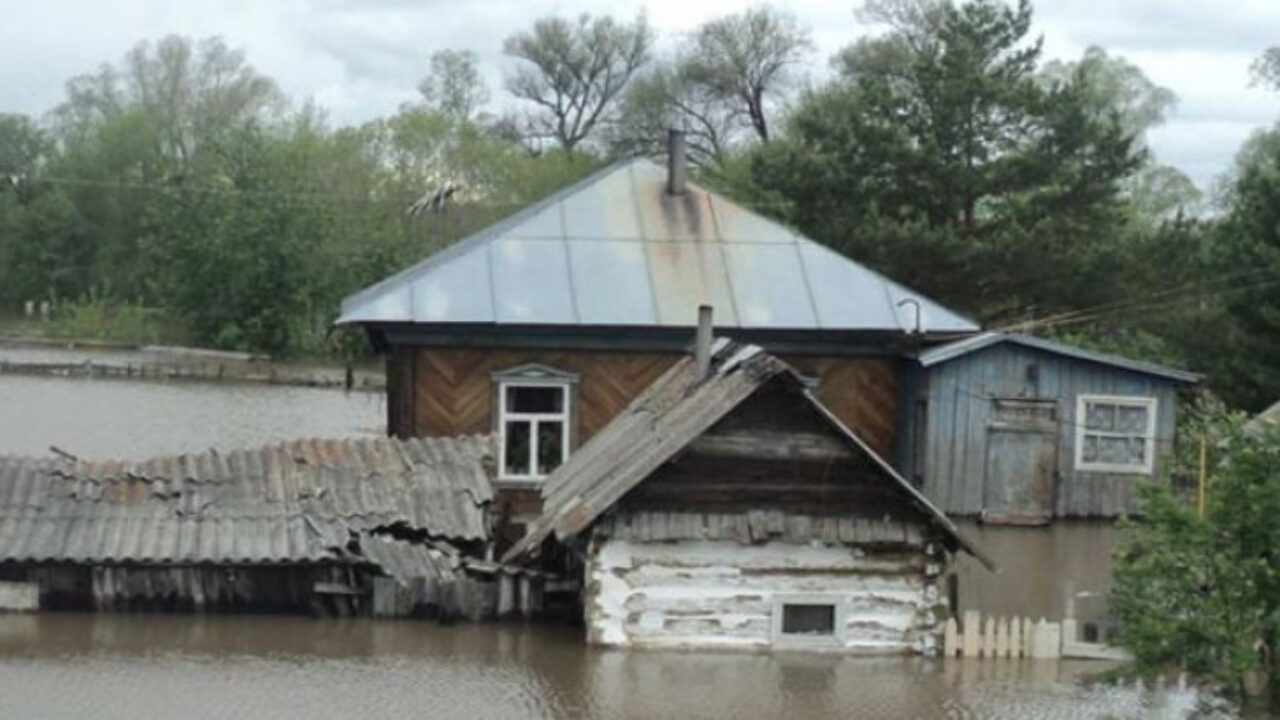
<point x="994" y="638"/>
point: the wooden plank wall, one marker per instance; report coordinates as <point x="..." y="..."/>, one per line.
<point x="959" y="409"/>
<point x="448" y="391"/>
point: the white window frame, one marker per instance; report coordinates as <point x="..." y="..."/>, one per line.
<point x="1149" y="455"/>
<point x="532" y="376"/>
<point x="841" y="619"/>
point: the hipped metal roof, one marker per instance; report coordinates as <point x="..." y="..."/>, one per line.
<point x="617" y="249"/>
<point x="297" y="502"/>
<point x="960" y="348"/>
<point x="670" y="414"/>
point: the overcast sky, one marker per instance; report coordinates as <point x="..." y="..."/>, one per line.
<point x="360" y="59"/>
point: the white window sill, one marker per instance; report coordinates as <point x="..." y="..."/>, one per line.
<point x="1114" y="469"/>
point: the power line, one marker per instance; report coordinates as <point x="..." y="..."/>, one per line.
<point x="1149" y="303"/>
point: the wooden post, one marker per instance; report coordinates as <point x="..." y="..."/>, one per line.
<point x="1204" y="471"/>
<point x="989" y="637"/>
<point x="970" y="643"/>
<point x="950" y="639"/>
<point x="1002" y="638"/>
<point x="1015" y="637"/>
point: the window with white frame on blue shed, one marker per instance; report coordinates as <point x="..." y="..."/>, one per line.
<point x="1115" y="433"/>
<point x="534" y="421"/>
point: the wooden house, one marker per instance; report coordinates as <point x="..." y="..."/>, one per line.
<point x="1036" y="447"/>
<point x="543" y="327"/>
<point x="727" y="507"/>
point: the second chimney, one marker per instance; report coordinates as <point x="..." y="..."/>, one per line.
<point x="702" y="344"/>
<point x="677" y="165"/>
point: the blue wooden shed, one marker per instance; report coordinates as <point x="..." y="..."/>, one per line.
<point x="1018" y="429"/>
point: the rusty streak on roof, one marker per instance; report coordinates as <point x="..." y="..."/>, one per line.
<point x="618" y="250"/>
<point x="295" y="502"/>
<point x="670" y="414"/>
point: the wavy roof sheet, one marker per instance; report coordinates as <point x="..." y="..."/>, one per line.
<point x="618" y="250"/>
<point x="294" y="502"/>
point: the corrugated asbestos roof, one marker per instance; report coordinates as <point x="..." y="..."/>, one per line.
<point x="672" y="412"/>
<point x="960" y="348"/>
<point x="618" y="250"/>
<point x="289" y="503"/>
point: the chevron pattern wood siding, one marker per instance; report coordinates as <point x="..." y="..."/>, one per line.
<point x="862" y="392"/>
<point x="449" y="391"/>
<point x="453" y="388"/>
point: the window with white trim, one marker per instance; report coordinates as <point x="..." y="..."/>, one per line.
<point x="534" y="412"/>
<point x="1115" y="433"/>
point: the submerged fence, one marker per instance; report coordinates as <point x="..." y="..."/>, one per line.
<point x="1013" y="637"/>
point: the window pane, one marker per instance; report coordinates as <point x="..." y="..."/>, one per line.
<point x="550" y="446"/>
<point x="516" y="442"/>
<point x="1089" y="453"/>
<point x="1131" y="419"/>
<point x="1099" y="416"/>
<point x="535" y="398"/>
<point x="1114" y="451"/>
<point x="1138" y="451"/>
<point x="808" y="619"/>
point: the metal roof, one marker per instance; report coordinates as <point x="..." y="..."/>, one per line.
<point x="294" y="502"/>
<point x="960" y="348"/>
<point x="664" y="419"/>
<point x="617" y="249"/>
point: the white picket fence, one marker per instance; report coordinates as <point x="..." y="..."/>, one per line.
<point x="1004" y="637"/>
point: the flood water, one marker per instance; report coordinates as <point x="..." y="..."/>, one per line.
<point x="132" y="667"/>
<point x="57" y="665"/>
<point x="127" y="419"/>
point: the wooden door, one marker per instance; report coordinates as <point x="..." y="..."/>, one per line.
<point x="1022" y="461"/>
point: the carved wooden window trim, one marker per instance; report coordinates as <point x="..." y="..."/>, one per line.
<point x="533" y="375"/>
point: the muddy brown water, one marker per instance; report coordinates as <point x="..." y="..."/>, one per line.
<point x="141" y="667"/>
<point x="137" y="667"/>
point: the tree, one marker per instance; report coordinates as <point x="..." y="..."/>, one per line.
<point x="574" y="71"/>
<point x="666" y="98"/>
<point x="1201" y="594"/>
<point x="454" y="85"/>
<point x="1266" y="69"/>
<point x="1247" y="239"/>
<point x="748" y="57"/>
<point x="723" y="84"/>
<point x="1114" y="86"/>
<point x="938" y="156"/>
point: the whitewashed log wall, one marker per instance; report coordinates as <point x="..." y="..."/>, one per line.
<point x="720" y="593"/>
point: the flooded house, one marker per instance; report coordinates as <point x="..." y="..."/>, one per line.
<point x="727" y="507"/>
<point x="1036" y="448"/>
<point x="544" y="327"/>
<point x="381" y="527"/>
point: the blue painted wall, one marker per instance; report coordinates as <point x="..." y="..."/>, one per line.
<point x="950" y="460"/>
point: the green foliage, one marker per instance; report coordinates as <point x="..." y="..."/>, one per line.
<point x="1202" y="594"/>
<point x="940" y="156"/>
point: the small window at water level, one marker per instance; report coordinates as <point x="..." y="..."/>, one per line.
<point x="816" y="620"/>
<point x="1115" y="434"/>
<point x="534" y="422"/>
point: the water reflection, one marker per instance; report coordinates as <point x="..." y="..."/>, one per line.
<point x="139" y="667"/>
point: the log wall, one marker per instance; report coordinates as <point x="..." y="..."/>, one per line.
<point x="715" y="593"/>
